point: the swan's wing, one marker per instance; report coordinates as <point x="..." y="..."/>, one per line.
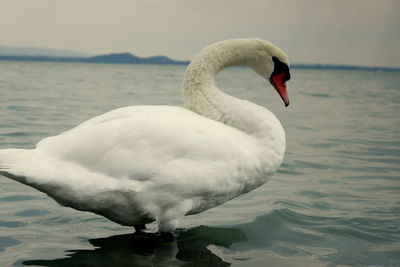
<point x="142" y="142"/>
<point x="141" y="159"/>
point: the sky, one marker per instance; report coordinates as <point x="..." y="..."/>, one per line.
<point x="355" y="32"/>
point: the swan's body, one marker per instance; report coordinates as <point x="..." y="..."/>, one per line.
<point x="138" y="164"/>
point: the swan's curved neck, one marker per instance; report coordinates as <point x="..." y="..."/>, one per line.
<point x="203" y="97"/>
<point x="201" y="73"/>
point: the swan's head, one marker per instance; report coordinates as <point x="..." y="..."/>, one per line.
<point x="271" y="62"/>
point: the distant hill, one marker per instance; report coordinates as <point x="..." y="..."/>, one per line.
<point x="128" y="58"/>
<point x="35" y="51"/>
<point x="120" y="58"/>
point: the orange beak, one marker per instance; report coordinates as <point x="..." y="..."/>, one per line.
<point x="279" y="84"/>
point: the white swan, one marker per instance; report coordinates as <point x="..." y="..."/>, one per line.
<point x="138" y="164"/>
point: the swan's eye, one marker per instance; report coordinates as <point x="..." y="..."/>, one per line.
<point x="287" y="76"/>
<point x="280" y="67"/>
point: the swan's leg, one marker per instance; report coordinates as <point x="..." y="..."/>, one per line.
<point x="166" y="228"/>
<point x="139" y="228"/>
<point x="168" y="220"/>
<point x="167" y="237"/>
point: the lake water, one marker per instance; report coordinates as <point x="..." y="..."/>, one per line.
<point x="334" y="202"/>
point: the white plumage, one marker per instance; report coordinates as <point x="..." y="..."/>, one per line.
<point x="138" y="164"/>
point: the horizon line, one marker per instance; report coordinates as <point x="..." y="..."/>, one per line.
<point x="91" y="59"/>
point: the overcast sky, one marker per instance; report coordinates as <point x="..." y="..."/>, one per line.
<point x="357" y="32"/>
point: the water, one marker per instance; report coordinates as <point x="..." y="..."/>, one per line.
<point x="335" y="201"/>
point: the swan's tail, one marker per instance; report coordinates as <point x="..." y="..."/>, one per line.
<point x="30" y="167"/>
<point x="36" y="169"/>
<point x="47" y="174"/>
<point x="66" y="182"/>
<point x="13" y="162"/>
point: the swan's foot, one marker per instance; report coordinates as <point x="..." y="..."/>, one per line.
<point x="139" y="228"/>
<point x="168" y="238"/>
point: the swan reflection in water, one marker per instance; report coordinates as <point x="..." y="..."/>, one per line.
<point x="147" y="249"/>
